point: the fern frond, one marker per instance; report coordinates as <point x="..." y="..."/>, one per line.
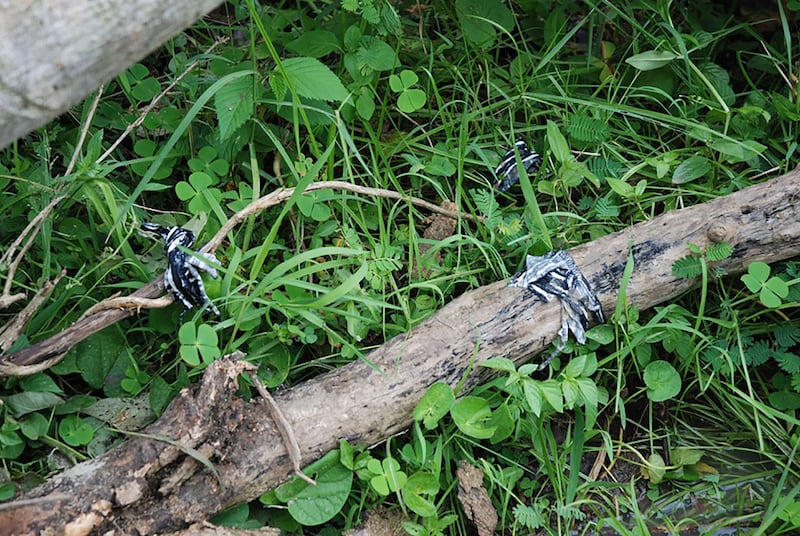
<point x="787" y="335"/>
<point x="528" y="516"/>
<point x="687" y="267"/>
<point x="718" y="252"/>
<point x="587" y="129"/>
<point x="758" y="353"/>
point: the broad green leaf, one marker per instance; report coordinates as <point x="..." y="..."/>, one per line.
<point x="685" y="456"/>
<point x="652" y="59"/>
<point x="312" y="79"/>
<point x="234" y="104"/>
<point x="40" y="382"/>
<point x="388" y="476"/>
<point x="472" y="415"/>
<point x="480" y="19"/>
<point x="757" y="274"/>
<point x="97" y="354"/>
<point x="622" y="188"/>
<point x="419" y="492"/>
<point x="376" y="54"/>
<point x="411" y="100"/>
<point x="558" y="143"/>
<point x="365" y="104"/>
<point x="434" y="405"/>
<point x="7" y="490"/>
<point x="75" y="431"/>
<point x="499" y="363"/>
<point x="34" y="426"/>
<point x="314" y="43"/>
<point x="662" y="380"/>
<point x="314" y="505"/>
<point x="503" y="424"/>
<point x="533" y="396"/>
<point x="738" y="151"/>
<point x="552" y="394"/>
<point x="575" y="367"/>
<point x="655" y="469"/>
<point x="30" y="401"/>
<point x="690" y="169"/>
<point x="602" y="333"/>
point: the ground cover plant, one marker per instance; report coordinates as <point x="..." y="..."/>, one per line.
<point x="676" y="418"/>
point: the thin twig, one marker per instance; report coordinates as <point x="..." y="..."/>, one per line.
<point x="11" y="331"/>
<point x="139" y="120"/>
<point x="113" y="309"/>
<point x="282" y="194"/>
<point x="284" y="428"/>
<point x="31" y="231"/>
<point x="84" y="130"/>
<point x="128" y="302"/>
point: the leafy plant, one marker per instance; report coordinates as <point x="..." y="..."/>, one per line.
<point x="771" y="290"/>
<point x="410" y="99"/>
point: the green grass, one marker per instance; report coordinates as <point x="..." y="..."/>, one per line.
<point x="638" y="109"/>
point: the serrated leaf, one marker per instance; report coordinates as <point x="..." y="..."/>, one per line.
<point x="234" y="104"/>
<point x="312" y="79"/>
<point x="788" y="361"/>
<point x="757" y="353"/>
<point x="376" y="54"/>
<point x="314" y="43"/>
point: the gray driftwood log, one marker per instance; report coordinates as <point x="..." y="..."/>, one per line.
<point x="54" y="53"/>
<point x="149" y="486"/>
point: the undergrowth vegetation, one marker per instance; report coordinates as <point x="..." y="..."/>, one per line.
<point x="637" y="107"/>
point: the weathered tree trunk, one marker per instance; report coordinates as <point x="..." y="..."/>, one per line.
<point x="54" y="53"/>
<point x="147" y="485"/>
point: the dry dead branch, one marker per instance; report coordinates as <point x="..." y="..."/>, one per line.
<point x="123" y="490"/>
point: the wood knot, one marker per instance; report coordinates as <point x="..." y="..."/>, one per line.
<point x="721" y="230"/>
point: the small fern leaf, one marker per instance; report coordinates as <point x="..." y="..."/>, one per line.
<point x="788" y="361"/>
<point x="687" y="267"/>
<point x="488" y="207"/>
<point x="787" y="335"/>
<point x="758" y="353"/>
<point x="718" y="252"/>
<point x="588" y="129"/>
<point x="606" y="208"/>
<point x="528" y="516"/>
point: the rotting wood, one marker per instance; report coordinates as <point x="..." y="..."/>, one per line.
<point x="54" y="53"/>
<point x="119" y="490"/>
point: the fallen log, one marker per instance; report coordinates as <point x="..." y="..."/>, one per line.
<point x="55" y="53"/>
<point x="150" y="484"/>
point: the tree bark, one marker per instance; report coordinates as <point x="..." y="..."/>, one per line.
<point x="54" y="53"/>
<point x="150" y="485"/>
